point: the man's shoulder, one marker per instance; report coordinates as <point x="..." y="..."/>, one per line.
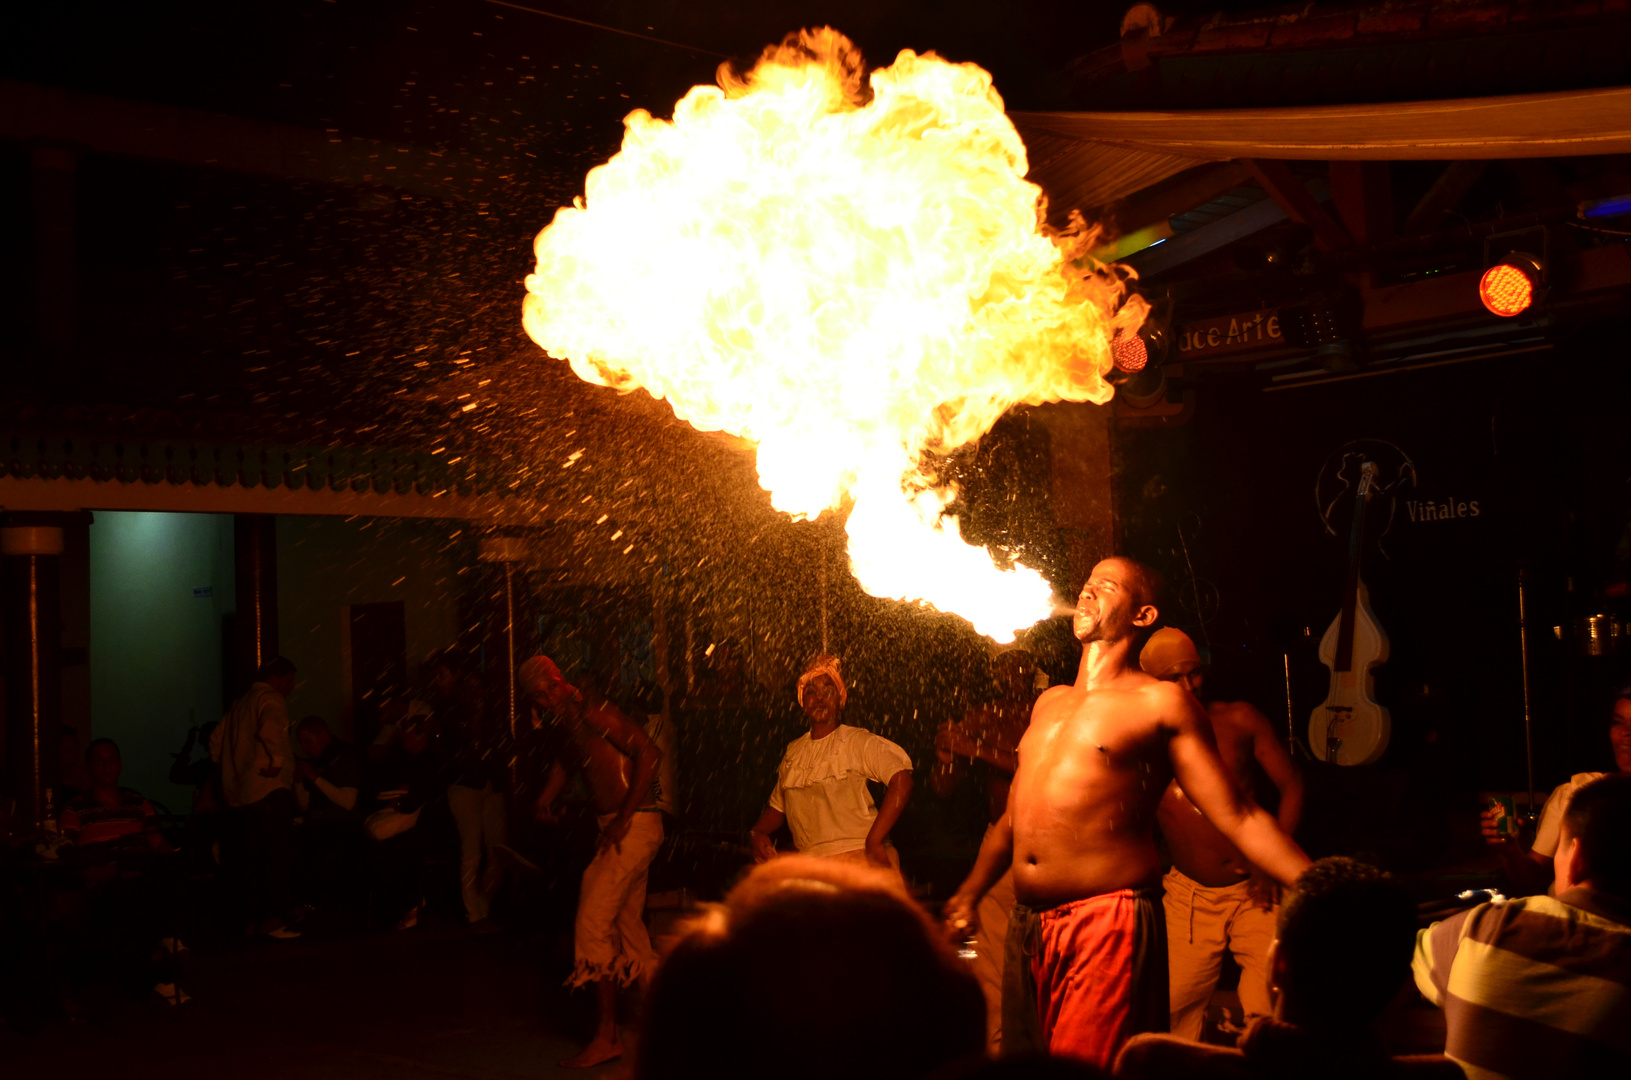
<point x="1241" y="714"/>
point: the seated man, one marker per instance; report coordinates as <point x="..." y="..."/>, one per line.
<point x="1341" y="954"/>
<point x="127" y="910"/>
<point x="823" y="967"/>
<point x="1538" y="987"/>
<point x="108" y="813"/>
<point x="328" y="779"/>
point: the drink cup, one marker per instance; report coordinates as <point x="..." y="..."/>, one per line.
<point x="1506" y="814"/>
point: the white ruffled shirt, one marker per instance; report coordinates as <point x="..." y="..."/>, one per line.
<point x="821" y="787"/>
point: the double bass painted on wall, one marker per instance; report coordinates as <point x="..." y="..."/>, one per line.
<point x="1350" y="727"/>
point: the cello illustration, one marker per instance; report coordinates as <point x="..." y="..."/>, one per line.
<point x="1349" y="727"/>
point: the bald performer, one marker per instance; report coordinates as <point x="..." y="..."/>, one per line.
<point x="1216" y="901"/>
<point x="1079" y="833"/>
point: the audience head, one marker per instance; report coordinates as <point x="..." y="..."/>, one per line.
<point x="1619" y="730"/>
<point x="446" y="669"/>
<point x="278" y="673"/>
<point x="313" y="735"/>
<point x="1594" y="847"/>
<point x="105" y="762"/>
<point x="1171" y="656"/>
<point x="1344" y="941"/>
<point x="825" y="969"/>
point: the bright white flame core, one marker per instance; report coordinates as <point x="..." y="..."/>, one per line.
<point x="850" y="281"/>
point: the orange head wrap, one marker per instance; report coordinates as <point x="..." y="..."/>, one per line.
<point x="828" y="666"/>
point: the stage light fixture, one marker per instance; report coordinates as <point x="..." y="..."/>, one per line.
<point x="1131" y="353"/>
<point x="1514" y="285"/>
<point x="1138" y="358"/>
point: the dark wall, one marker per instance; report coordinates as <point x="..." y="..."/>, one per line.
<point x="1226" y="505"/>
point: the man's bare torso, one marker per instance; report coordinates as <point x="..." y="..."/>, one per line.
<point x="1092" y="767"/>
<point x="609" y="769"/>
<point x="1198" y="850"/>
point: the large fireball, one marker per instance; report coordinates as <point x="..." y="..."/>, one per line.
<point x="854" y="274"/>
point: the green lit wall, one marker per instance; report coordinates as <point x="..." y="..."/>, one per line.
<point x="155" y="643"/>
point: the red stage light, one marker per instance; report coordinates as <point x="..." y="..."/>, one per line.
<point x="1130" y="352"/>
<point x="1509" y="287"/>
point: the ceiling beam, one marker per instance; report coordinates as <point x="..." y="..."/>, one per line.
<point x="1288" y="191"/>
<point x="1177" y="194"/>
<point x="1214" y="236"/>
<point x="1451" y="186"/>
<point x="1362" y="192"/>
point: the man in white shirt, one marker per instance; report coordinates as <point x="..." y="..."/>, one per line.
<point x="251" y="744"/>
<point x="1531" y="868"/>
<point x="821" y="791"/>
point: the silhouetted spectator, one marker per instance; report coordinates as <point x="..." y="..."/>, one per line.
<point x="1342" y="952"/>
<point x="200" y="774"/>
<point x="328" y="841"/>
<point x="812" y="969"/>
<point x="251" y="745"/>
<point x="417" y="775"/>
<point x="108" y="813"/>
<point x="129" y="907"/>
<point x="478" y="754"/>
<point x="328" y="777"/>
<point x="1538" y="987"/>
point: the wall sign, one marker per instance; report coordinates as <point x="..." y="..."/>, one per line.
<point x="1230" y="333"/>
<point x="1426" y="511"/>
<point x="203" y="592"/>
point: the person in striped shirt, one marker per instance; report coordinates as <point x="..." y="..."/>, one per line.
<point x="1541" y="987"/>
<point x="107" y="812"/>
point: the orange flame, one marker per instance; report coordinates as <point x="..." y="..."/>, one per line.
<point x="852" y="273"/>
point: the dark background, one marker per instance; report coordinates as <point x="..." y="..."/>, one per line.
<point x="1538" y="440"/>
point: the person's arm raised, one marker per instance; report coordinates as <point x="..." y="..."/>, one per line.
<point x="1201" y="773"/>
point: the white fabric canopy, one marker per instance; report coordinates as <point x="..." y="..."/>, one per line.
<point x="1087" y="159"/>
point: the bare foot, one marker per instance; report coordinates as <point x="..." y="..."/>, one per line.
<point x="602" y="1050"/>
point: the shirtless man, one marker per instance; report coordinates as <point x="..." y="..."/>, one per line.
<point x="610" y="942"/>
<point x="1079" y="832"/>
<point x="987" y="739"/>
<point x="1216" y="901"/>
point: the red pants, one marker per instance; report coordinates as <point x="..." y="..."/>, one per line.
<point x="1101" y="973"/>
